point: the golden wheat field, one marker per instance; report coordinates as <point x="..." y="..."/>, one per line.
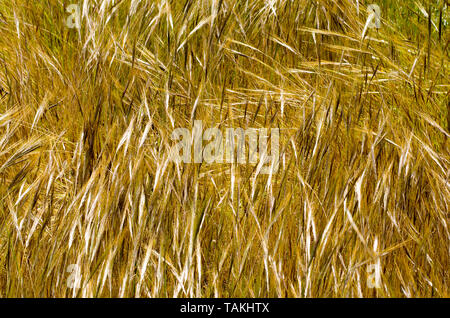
<point x="354" y="204"/>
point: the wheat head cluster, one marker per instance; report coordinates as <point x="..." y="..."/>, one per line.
<point x="92" y="206"/>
